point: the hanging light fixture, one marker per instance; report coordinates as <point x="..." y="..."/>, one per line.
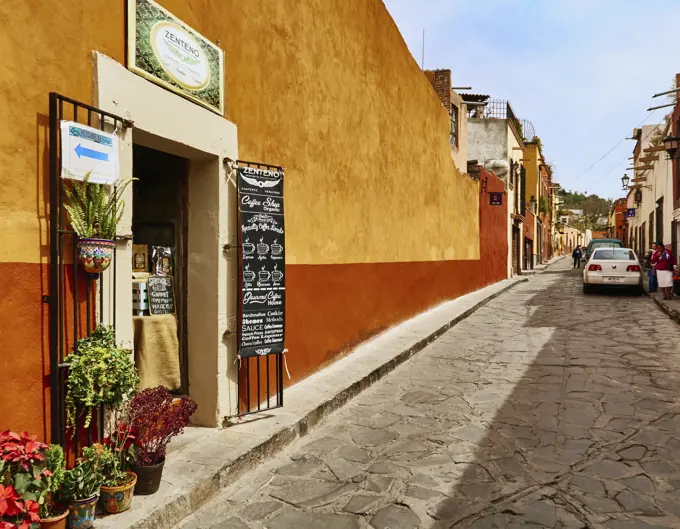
<point x="671" y="144"/>
<point x="624" y="180"/>
<point x="638" y="197"/>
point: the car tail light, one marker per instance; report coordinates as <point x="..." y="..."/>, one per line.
<point x="594" y="268"/>
<point x="633" y="268"/>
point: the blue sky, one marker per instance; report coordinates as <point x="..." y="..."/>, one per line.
<point x="582" y="71"/>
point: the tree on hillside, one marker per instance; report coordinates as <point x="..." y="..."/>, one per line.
<point x="592" y="205"/>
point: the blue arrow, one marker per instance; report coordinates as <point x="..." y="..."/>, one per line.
<point x="89" y="153"/>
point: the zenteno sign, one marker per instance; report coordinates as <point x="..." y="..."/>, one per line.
<point x="166" y="51"/>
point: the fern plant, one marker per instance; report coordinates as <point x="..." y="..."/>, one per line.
<point x="93" y="214"/>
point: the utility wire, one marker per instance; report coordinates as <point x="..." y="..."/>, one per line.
<point x="614" y="147"/>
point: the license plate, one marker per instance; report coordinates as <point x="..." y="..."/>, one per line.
<point x="613" y="279"/>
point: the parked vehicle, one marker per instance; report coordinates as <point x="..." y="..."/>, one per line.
<point x="613" y="267"/>
<point x="601" y="243"/>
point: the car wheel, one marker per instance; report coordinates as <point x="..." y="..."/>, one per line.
<point x="587" y="289"/>
<point x="639" y="290"/>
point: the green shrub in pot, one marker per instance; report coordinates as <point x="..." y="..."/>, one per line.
<point x="100" y="372"/>
<point x="82" y="483"/>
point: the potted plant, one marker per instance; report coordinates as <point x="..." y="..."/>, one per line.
<point x="81" y="486"/>
<point x="53" y="515"/>
<point x="94" y="217"/>
<point x="100" y="372"/>
<point x="15" y="511"/>
<point x="156" y="418"/>
<point x="22" y="474"/>
<point x="119" y="481"/>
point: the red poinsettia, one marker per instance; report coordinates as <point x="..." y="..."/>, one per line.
<point x="9" y="501"/>
<point x="20" y="449"/>
<point x="24" y="512"/>
<point x="31" y="511"/>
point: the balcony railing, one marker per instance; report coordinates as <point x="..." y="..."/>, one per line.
<point x="501" y="109"/>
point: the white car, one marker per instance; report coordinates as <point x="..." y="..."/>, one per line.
<point x="613" y="267"/>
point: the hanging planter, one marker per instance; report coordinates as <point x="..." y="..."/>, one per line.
<point x="95" y="255"/>
<point x="94" y="217"/>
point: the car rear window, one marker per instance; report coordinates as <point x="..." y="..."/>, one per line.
<point x="596" y="245"/>
<point x="613" y="254"/>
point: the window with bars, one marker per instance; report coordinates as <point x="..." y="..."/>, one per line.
<point x="454" y="126"/>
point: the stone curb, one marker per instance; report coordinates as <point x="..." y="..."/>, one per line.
<point x="671" y="313"/>
<point x="198" y="492"/>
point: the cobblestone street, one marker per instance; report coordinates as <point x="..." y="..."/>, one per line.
<point x="545" y="408"/>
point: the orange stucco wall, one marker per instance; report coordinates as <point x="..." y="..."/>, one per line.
<point x="379" y="221"/>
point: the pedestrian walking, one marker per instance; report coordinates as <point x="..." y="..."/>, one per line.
<point x="664" y="270"/>
<point x="652" y="258"/>
<point x="577" y="254"/>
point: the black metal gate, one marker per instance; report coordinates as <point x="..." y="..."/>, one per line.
<point x="76" y="299"/>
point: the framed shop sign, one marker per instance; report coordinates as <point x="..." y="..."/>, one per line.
<point x="164" y="50"/>
<point x="262" y="261"/>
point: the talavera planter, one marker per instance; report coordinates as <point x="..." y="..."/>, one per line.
<point x="118" y="499"/>
<point x="95" y="255"/>
<point x="81" y="513"/>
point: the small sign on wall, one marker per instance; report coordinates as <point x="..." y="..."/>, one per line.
<point x="161" y="295"/>
<point x="496" y="199"/>
<point x="630" y="212"/>
<point x="86" y="150"/>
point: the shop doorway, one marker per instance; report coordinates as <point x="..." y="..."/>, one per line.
<point x="528" y="254"/>
<point x="516" y="269"/>
<point x="160" y="237"/>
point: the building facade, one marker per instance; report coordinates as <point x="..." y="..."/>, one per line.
<point x="496" y="141"/>
<point x="380" y="225"/>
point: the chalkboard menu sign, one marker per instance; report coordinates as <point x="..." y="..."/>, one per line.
<point x="262" y="261"/>
<point x="161" y="295"/>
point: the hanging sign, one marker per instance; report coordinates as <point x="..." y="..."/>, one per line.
<point x="88" y="150"/>
<point x="496" y="199"/>
<point x="161" y="295"/>
<point x="166" y="51"/>
<point x="630" y="212"/>
<point x="262" y="261"/>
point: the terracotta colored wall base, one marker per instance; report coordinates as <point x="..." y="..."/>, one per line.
<point x="24" y="352"/>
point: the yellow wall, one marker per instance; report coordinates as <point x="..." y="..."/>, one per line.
<point x="326" y="88"/>
<point x="532" y="160"/>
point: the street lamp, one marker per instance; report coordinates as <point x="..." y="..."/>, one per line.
<point x="624" y="180"/>
<point x="671" y="144"/>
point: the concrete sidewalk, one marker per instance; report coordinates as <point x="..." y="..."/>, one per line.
<point x="205" y="461"/>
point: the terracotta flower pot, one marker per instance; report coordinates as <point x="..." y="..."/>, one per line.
<point x="118" y="499"/>
<point x="95" y="255"/>
<point x="55" y="522"/>
<point x="148" y="478"/>
<point x="81" y="513"/>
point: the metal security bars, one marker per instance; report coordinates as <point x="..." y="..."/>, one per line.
<point x="501" y="109"/>
<point x="260" y="378"/>
<point x="76" y="299"/>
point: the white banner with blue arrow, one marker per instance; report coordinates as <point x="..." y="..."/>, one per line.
<point x="88" y="150"/>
